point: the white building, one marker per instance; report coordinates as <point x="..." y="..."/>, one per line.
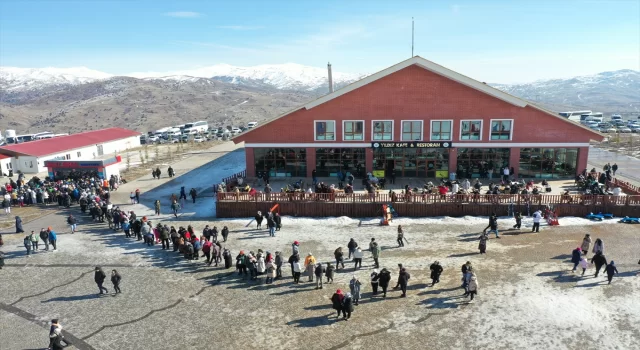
<point x="29" y="157"/>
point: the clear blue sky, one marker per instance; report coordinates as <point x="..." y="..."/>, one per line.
<point x="494" y="41"/>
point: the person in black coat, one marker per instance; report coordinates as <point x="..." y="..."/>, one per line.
<point x="259" y="219"/>
<point x="225" y="233"/>
<point x="227" y="258"/>
<point x="575" y="258"/>
<point x="19" y="225"/>
<point x="347" y="306"/>
<point x="339" y="255"/>
<point x="403" y="280"/>
<point x="611" y="270"/>
<point x="115" y="279"/>
<point x="336" y="301"/>
<point x="436" y="271"/>
<point x="99" y="278"/>
<point x="384" y="279"/>
<point x="278" y="220"/>
<point x="352" y="245"/>
<point x="599" y="260"/>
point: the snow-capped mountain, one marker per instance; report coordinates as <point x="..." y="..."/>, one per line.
<point x="612" y="91"/>
<point x="13" y="78"/>
<point x="288" y="76"/>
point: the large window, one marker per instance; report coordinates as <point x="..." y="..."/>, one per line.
<point x="501" y="129"/>
<point x="331" y="161"/>
<point x="325" y="130"/>
<point x="353" y="130"/>
<point x="471" y="130"/>
<point x="412" y="162"/>
<point x="412" y="130"/>
<point x="281" y="162"/>
<point x="382" y="130"/>
<point x="441" y="130"/>
<point x="548" y="163"/>
<point x="476" y="163"/>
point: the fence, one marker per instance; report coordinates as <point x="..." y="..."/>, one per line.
<point x="365" y="205"/>
<point x="627" y="187"/>
<point x="232" y="178"/>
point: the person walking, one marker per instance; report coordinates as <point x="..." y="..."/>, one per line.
<point x="357" y="258"/>
<point x="329" y="273"/>
<point x="436" y="271"/>
<point x="347" y="306"/>
<point x="354" y="287"/>
<point x="518" y="218"/>
<point x="339" y="255"/>
<point x="175" y="207"/>
<point x="297" y="268"/>
<point x="271" y="272"/>
<point x="336" y="301"/>
<point x="482" y="246"/>
<point x="598" y="246"/>
<point x="472" y="288"/>
<point x="352" y="245"/>
<point x="73" y="223"/>
<point x="400" y="238"/>
<point x="611" y="270"/>
<point x="137" y="195"/>
<point x="271" y="225"/>
<point x="385" y="278"/>
<point x="165" y="233"/>
<point x="193" y="193"/>
<point x="44" y="236"/>
<point x="310" y="263"/>
<point x="403" y="279"/>
<point x="575" y="258"/>
<point x="206" y="249"/>
<point x="115" y="279"/>
<point x="27" y="244"/>
<point x="375" y="252"/>
<point x="614" y="168"/>
<point x="53" y="238"/>
<point x="599" y="260"/>
<point x="584" y="264"/>
<point x="537" y="216"/>
<point x="319" y="271"/>
<point x="157" y="207"/>
<point x="466" y="267"/>
<point x="19" y="225"/>
<point x="375" y="281"/>
<point x="259" y="219"/>
<point x="279" y="262"/>
<point x="493" y="225"/>
<point x="586" y="244"/>
<point x="99" y="277"/>
<point x="224" y="233"/>
<point x="278" y="220"/>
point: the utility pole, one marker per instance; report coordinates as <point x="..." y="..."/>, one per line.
<point x="412" y="36"/>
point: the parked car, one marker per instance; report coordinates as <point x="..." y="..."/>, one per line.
<point x="200" y="138"/>
<point x="635" y="128"/>
<point x="153" y="138"/>
<point x="624" y="130"/>
<point x="235" y="130"/>
<point x="609" y="130"/>
<point x="252" y="125"/>
<point x="184" y="138"/>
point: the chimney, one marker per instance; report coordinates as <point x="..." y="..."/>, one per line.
<point x="330" y="78"/>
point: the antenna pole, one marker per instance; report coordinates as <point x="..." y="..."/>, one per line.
<point x="412" y="36"/>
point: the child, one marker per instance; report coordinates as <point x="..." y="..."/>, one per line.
<point x="584" y="264"/>
<point x="132" y="197"/>
<point x="518" y="217"/>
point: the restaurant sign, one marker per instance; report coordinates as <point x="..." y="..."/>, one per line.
<point x="411" y="144"/>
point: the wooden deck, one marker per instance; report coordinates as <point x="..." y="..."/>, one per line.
<point x="360" y="205"/>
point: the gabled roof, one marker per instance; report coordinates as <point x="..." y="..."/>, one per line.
<point x="60" y="144"/>
<point x="430" y="66"/>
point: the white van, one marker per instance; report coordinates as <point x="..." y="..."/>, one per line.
<point x="171" y="133"/>
<point x="198" y="127"/>
<point x="252" y="125"/>
<point x="615" y="117"/>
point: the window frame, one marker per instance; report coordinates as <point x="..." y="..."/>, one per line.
<point x="373" y="129"/>
<point x="315" y="130"/>
<point x="412" y="120"/>
<point x="510" y="131"/>
<point x="471" y="120"/>
<point x="364" y="134"/>
<point x="441" y="120"/>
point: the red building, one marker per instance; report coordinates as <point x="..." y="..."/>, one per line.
<point x="418" y="119"/>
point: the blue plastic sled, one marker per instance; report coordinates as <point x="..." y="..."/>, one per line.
<point x="628" y="220"/>
<point x="598" y="217"/>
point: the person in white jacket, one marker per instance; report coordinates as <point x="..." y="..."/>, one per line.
<point x="472" y="288"/>
<point x="357" y="258"/>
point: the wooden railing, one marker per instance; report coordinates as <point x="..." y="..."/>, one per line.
<point x="233" y="177"/>
<point x="518" y="199"/>
<point x="627" y="187"/>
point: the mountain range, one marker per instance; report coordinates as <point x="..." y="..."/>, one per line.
<point x="78" y="99"/>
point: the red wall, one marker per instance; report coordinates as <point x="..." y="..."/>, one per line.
<point x="415" y="93"/>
